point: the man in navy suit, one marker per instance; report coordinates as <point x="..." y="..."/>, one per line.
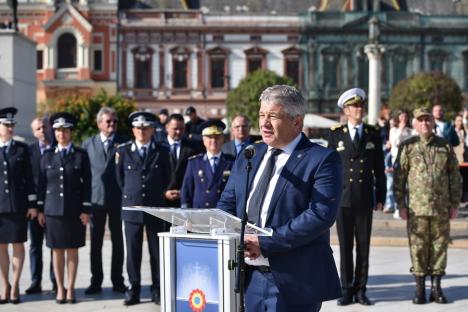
<point x="295" y="190"/>
<point x="41" y="131"/>
<point x="181" y="149"/>
<point x="105" y="199"/>
<point x="207" y="174"/>
<point x="240" y="130"/>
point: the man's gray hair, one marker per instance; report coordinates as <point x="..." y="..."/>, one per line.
<point x="105" y="110"/>
<point x="289" y="97"/>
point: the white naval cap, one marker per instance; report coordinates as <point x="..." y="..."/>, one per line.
<point x="351" y="96"/>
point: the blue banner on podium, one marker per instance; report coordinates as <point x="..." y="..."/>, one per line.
<point x="197" y="282"/>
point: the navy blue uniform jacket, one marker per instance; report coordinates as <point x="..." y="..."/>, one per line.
<point x="302" y="210"/>
<point x="65" y="185"/>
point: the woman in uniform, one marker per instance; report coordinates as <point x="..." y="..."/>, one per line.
<point x="64" y="203"/>
<point x="17" y="203"/>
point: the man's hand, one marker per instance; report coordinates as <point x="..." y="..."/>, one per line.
<point x="172" y="194"/>
<point x="252" y="247"/>
<point x="84" y="217"/>
<point x="41" y="219"/>
<point x="403" y="213"/>
<point x="31" y="213"/>
<point x="453" y="212"/>
<point x="379" y="206"/>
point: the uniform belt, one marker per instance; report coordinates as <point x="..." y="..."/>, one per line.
<point x="260" y="268"/>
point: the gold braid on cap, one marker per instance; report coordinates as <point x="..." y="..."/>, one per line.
<point x="355" y="100"/>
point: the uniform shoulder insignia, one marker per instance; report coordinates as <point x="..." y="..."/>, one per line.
<point x="196" y="156"/>
<point x="336" y="127"/>
<point x="258" y="141"/>
<point x="410" y="140"/>
<point x="124" y="144"/>
<point x="372" y="127"/>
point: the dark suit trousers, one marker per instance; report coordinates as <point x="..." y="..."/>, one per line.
<point x="134" y="244"/>
<point x="262" y="294"/>
<point x="97" y="226"/>
<point x="36" y="237"/>
<point x="351" y="226"/>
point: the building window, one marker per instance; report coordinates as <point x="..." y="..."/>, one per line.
<point x="292" y="64"/>
<point x="218" y="68"/>
<point x="180" y="68"/>
<point x="400" y="62"/>
<point x="363" y="71"/>
<point x="437" y="60"/>
<point x="142" y="60"/>
<point x="331" y="68"/>
<point x="255" y="59"/>
<point x="39" y="59"/>
<point x="67" y="51"/>
<point x="97" y="60"/>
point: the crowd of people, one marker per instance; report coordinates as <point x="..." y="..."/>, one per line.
<point x="56" y="188"/>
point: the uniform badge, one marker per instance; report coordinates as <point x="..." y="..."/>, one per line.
<point x="345" y="129"/>
<point x="200" y="173"/>
<point x="340" y="146"/>
<point x="370" y="145"/>
<point x="226" y="173"/>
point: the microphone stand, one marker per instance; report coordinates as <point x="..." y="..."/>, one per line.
<point x="240" y="273"/>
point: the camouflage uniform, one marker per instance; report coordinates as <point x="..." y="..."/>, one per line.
<point x="427" y="181"/>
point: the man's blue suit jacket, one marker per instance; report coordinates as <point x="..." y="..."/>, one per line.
<point x="302" y="210"/>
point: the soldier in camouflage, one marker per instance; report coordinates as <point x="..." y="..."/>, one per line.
<point x="427" y="185"/>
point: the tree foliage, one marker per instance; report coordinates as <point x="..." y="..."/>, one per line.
<point x="244" y="98"/>
<point x="426" y="90"/>
<point x="85" y="109"/>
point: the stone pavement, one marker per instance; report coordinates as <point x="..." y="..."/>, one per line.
<point x="390" y="285"/>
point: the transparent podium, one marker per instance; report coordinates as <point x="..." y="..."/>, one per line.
<point x="197" y="258"/>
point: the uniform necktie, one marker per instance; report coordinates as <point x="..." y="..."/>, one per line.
<point x="258" y="196"/>
<point x="4" y="151"/>
<point x="174" y="149"/>
<point x="356" y="137"/>
<point x="213" y="163"/>
<point x="143" y="153"/>
<point x="63" y="153"/>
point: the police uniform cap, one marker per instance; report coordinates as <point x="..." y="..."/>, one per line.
<point x="190" y="110"/>
<point x="62" y="120"/>
<point x="142" y="119"/>
<point x="212" y="127"/>
<point x="352" y="96"/>
<point x="7" y="115"/>
<point x="420" y="112"/>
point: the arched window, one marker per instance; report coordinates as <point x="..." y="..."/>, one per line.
<point x="67" y="51"/>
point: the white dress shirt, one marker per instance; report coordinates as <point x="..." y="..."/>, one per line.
<point x="281" y="160"/>
<point x="171" y="142"/>
<point x="352" y="130"/>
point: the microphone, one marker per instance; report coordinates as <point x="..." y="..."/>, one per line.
<point x="249" y="152"/>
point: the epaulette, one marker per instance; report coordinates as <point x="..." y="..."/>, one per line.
<point x="410" y="140"/>
<point x="336" y="127"/>
<point x="196" y="156"/>
<point x="373" y="127"/>
<point x="258" y="141"/>
<point x="124" y="144"/>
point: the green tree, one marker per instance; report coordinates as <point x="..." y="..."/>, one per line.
<point x="85" y="109"/>
<point x="244" y="98"/>
<point x="426" y="90"/>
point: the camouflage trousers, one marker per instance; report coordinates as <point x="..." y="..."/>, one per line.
<point x="428" y="241"/>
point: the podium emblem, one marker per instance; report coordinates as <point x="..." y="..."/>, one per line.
<point x="197" y="300"/>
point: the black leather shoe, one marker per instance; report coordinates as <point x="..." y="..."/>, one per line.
<point x="15" y="301"/>
<point x="156" y="295"/>
<point x="345" y="300"/>
<point x="132" y="296"/>
<point x="93" y="289"/>
<point x="35" y="288"/>
<point x="71" y="301"/>
<point x="60" y="301"/>
<point x="361" y="298"/>
<point x="120" y="288"/>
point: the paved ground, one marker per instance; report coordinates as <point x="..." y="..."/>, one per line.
<point x="391" y="286"/>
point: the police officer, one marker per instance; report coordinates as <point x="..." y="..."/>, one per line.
<point x="143" y="173"/>
<point x="17" y="203"/>
<point x="427" y="186"/>
<point x="207" y="174"/>
<point x="64" y="202"/>
<point x="360" y="148"/>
